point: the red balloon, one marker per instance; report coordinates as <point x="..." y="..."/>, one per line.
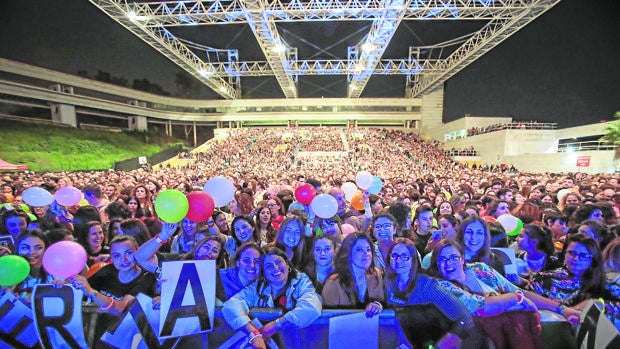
<point x="201" y="206"/>
<point x="305" y="193"/>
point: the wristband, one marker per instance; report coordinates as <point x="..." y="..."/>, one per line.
<point x="560" y="308"/>
<point x="253" y="335"/>
<point x="378" y="303"/>
<point x="108" y="306"/>
<point x="93" y="295"/>
<point x="520" y="296"/>
<point x="159" y="240"/>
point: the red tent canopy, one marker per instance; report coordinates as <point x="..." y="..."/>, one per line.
<point x="6" y="166"/>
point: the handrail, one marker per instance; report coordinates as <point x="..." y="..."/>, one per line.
<point x="317" y="334"/>
<point x="584" y="146"/>
<point x="515" y="125"/>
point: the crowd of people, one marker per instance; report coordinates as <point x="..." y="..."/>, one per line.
<point x="425" y="242"/>
<point x="519" y="125"/>
<point x="469" y="151"/>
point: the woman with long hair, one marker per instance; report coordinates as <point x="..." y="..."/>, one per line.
<point x="243" y="230"/>
<point x="383" y="227"/>
<point x="322" y="263"/>
<point x="611" y="266"/>
<point x="185" y="240"/>
<point x="405" y="287"/>
<point x="90" y="236"/>
<point x="537" y="251"/>
<point x="474" y="236"/>
<point x="31" y="245"/>
<point x="357" y="283"/>
<point x="219" y="219"/>
<point x="278" y="211"/>
<point x="580" y="279"/>
<point x="280" y="285"/>
<point x="143" y="194"/>
<point x="291" y="239"/>
<point x="486" y="293"/>
<point x="246" y="270"/>
<point x="134" y="207"/>
<point x="263" y="225"/>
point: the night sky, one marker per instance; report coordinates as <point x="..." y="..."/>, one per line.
<point x="563" y="67"/>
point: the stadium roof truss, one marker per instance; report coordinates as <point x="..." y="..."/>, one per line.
<point x="424" y="68"/>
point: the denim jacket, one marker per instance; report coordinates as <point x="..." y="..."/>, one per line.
<point x="303" y="304"/>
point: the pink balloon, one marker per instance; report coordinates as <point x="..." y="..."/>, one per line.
<point x="68" y="196"/>
<point x="347" y="229"/>
<point x="201" y="206"/>
<point x="305" y="193"/>
<point x="64" y="259"/>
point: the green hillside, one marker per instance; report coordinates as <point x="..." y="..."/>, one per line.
<point x="52" y="148"/>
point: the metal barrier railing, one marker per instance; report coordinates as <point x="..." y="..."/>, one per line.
<point x="556" y="334"/>
<point x="584" y="146"/>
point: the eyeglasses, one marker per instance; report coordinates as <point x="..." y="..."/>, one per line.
<point x="272" y="205"/>
<point x="581" y="255"/>
<point x="453" y="259"/>
<point x="383" y="226"/>
<point x="403" y="257"/>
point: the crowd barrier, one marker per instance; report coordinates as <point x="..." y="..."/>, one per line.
<point x="556" y="333"/>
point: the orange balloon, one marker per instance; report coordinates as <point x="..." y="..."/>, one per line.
<point x="357" y="202"/>
<point x="95" y="268"/>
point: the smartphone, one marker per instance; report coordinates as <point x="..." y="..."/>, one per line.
<point x="437" y="234"/>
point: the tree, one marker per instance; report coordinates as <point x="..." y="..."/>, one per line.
<point x="612" y="131"/>
<point x="184" y="84"/>
<point x="103" y="76"/>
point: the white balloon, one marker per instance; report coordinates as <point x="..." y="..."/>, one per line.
<point x="363" y="179"/>
<point x="221" y="190"/>
<point x="324" y="206"/>
<point x="508" y="221"/>
<point x="349" y="189"/>
<point x="37" y="197"/>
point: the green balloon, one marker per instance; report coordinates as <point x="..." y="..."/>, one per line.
<point x="171" y="206"/>
<point x="13" y="270"/>
<point x="25" y="208"/>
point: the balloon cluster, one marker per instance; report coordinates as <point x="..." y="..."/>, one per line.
<point x="65" y="196"/>
<point x="172" y="205"/>
<point x="364" y="181"/>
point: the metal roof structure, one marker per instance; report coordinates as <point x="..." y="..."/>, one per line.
<point x="346" y="43"/>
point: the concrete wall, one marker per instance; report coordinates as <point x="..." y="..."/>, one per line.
<point x="601" y="161"/>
